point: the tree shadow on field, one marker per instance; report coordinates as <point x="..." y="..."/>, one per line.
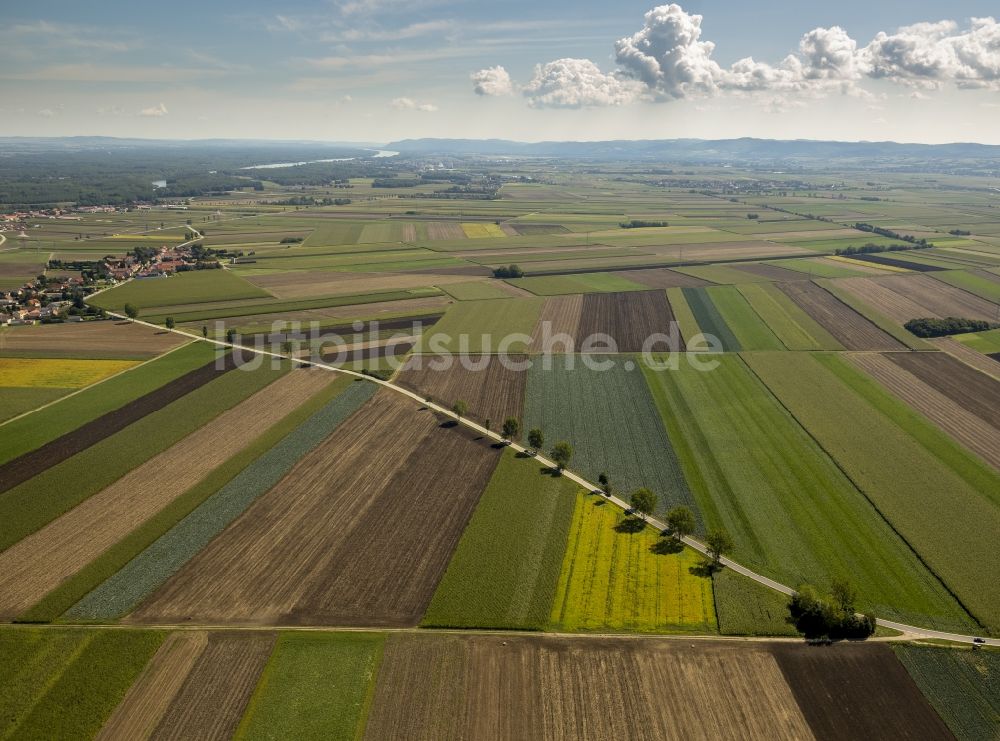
<point x="523" y="454"/>
<point x="448" y="424"/>
<point x="705" y="569"/>
<point x="667" y="547"/>
<point x="549" y="471"/>
<point x="631" y="525"/>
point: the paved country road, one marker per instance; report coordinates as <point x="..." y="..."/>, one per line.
<point x="910" y="631"/>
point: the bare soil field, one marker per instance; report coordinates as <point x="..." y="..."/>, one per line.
<point x="89" y="339"/>
<point x="941" y="298"/>
<point x="534" y="687"/>
<point x="851" y="329"/>
<point x="211" y="702"/>
<point x="976" y="392"/>
<point x="884" y="300"/>
<point x="37" y="564"/>
<point x="771" y="272"/>
<point x="628" y="317"/>
<point x="563" y="314"/>
<point x="663" y="278"/>
<point x="492" y="391"/>
<point x="445" y="230"/>
<point x="21" y="469"/>
<point x="968" y="356"/>
<point x="535" y="230"/>
<point x="358" y="533"/>
<point x="300" y="285"/>
<point x="969" y="429"/>
<point x="148" y="699"/>
<point x="857" y="691"/>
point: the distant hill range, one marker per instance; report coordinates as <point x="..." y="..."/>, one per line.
<point x="708" y="151"/>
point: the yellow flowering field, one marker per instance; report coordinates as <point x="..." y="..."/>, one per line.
<point x="57" y="373"/>
<point x="613" y="581"/>
<point x="480" y="230"/>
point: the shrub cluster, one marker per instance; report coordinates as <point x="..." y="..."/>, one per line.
<point x="833" y="617"/>
<point x="933" y="327"/>
<point x="508" y="271"/>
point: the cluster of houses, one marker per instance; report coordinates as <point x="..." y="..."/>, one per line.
<point x="38" y="301"/>
<point x="164" y="262"/>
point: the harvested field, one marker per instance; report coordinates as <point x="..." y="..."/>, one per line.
<point x="962" y="424"/>
<point x="664" y="278"/>
<point x="857" y="691"/>
<point x="337" y="541"/>
<point x="629" y="318"/>
<point x="851" y="329"/>
<point x="975" y="392"/>
<point x="88" y="340"/>
<point x="316" y="284"/>
<point x="563" y="314"/>
<point x="52" y="453"/>
<point x="147" y="701"/>
<point x="771" y="272"/>
<point x="967" y="355"/>
<point x="445" y="230"/>
<point x="525" y="229"/>
<point x="896" y="306"/>
<point x="210" y="703"/>
<point x="941" y="298"/>
<point x="492" y="391"/>
<point x="39" y="562"/>
<point x="528" y="687"/>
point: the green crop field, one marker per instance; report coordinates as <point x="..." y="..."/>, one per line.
<point x="722" y="274"/>
<point x="474" y="291"/>
<point x="746" y="608"/>
<point x="610" y="420"/>
<point x="710" y="320"/>
<point x="904" y="473"/>
<point x="560" y="285"/>
<point x="15" y="401"/>
<point x="984" y="342"/>
<point x="506" y="569"/>
<point x="612" y="580"/>
<point x="796" y="329"/>
<point x="315" y="686"/>
<point x="962" y="685"/>
<point x="65" y="683"/>
<point x="792" y="513"/>
<point x="750" y="330"/>
<point x="818" y="268"/>
<point x="974" y="284"/>
<point x="479" y="326"/>
<point x="184" y="288"/>
<point x="38" y="501"/>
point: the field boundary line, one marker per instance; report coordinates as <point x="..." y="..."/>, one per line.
<point x="576" y="478"/>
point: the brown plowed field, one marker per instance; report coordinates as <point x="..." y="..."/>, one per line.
<point x="968" y="356"/>
<point x="148" y="699"/>
<point x="940" y="298"/>
<point x="563" y="313"/>
<point x="851" y="329"/>
<point x="445" y="230"/>
<point x="975" y="392"/>
<point x="493" y="392"/>
<point x="358" y="533"/>
<point x="91" y="339"/>
<point x="771" y="272"/>
<point x="629" y="318"/>
<point x="884" y="300"/>
<point x="857" y="691"/>
<point x="21" y="469"/>
<point x="32" y="567"/>
<point x="662" y="278"/>
<point x="967" y="428"/>
<point x="211" y="702"/>
<point x="533" y="687"/>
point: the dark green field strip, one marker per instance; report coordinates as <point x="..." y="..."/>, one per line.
<point x="962" y="685"/>
<point x="26" y="434"/>
<point x="315" y="686"/>
<point x="796" y="329"/>
<point x="112" y="560"/>
<point x="123" y="589"/>
<point x="65" y="684"/>
<point x="939" y="497"/>
<point x="793" y="514"/>
<point x="611" y="420"/>
<point x="506" y="569"/>
<point x="744" y="607"/>
<point x="33" y="504"/>
<point x="709" y="319"/>
<point x="56" y="451"/>
<point x="897" y="262"/>
<point x="278" y="307"/>
<point x="750" y="330"/>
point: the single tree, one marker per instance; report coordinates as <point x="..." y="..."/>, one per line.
<point x="130" y="311"/>
<point x="170" y="323"/>
<point x="562" y="452"/>
<point x="719" y="543"/>
<point x="605" y="483"/>
<point x="286" y="347"/>
<point x="489" y="424"/>
<point x="511" y="428"/>
<point x="681" y="522"/>
<point x="643" y="501"/>
<point x="204" y="330"/>
<point x="231" y="336"/>
<point x="535" y="439"/>
<point x="460" y="408"/>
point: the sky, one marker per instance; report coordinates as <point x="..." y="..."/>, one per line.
<point x="382" y="70"/>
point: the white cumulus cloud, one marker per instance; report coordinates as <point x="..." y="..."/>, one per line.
<point x="154" y="111"/>
<point x="492" y="81"/>
<point x="409" y="104"/>
<point x="578" y="83"/>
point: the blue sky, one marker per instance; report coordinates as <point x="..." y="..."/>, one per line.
<point x="376" y="70"/>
